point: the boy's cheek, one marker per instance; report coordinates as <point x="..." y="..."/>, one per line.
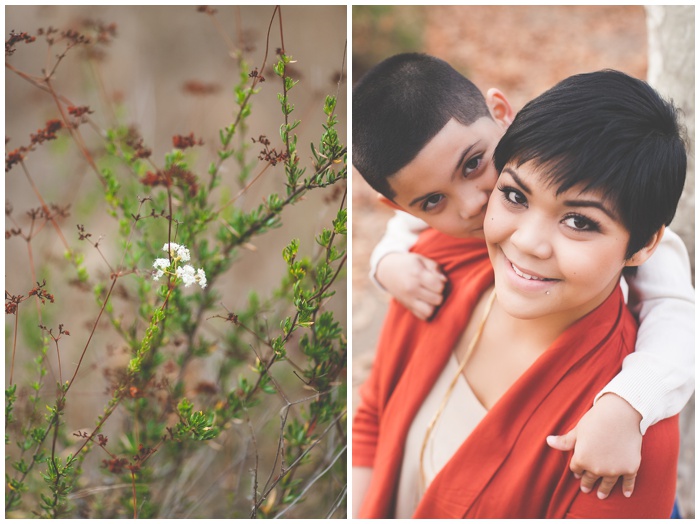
<point x="491" y="178"/>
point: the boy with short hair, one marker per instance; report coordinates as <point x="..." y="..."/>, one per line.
<point x="424" y="136"/>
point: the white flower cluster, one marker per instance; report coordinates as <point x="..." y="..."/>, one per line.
<point x="188" y="274"/>
<point x="177" y="251"/>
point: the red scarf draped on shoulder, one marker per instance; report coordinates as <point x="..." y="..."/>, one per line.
<point x="504" y="469"/>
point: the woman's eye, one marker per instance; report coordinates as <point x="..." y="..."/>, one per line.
<point x="581" y="223"/>
<point x="472" y="165"/>
<point x="431" y="202"/>
<point x="514" y="196"/>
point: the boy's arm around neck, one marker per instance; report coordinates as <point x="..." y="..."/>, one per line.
<point x="401" y="233"/>
<point x="659" y="377"/>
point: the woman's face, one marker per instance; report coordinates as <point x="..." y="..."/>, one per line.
<point x="556" y="256"/>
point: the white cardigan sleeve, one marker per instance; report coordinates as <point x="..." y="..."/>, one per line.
<point x="401" y="233"/>
<point x="659" y="377"/>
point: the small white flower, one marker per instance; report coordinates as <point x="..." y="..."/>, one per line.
<point x="183" y="253"/>
<point x="201" y="278"/>
<point x="177" y="251"/>
<point x="186" y="273"/>
<point x="161" y="263"/>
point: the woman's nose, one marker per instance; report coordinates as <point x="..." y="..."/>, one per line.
<point x="532" y="237"/>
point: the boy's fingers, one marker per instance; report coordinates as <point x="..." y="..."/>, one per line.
<point x="606" y="486"/>
<point x="421" y="310"/>
<point x="562" y="442"/>
<point x="576" y="469"/>
<point x="429" y="297"/>
<point x="431" y="265"/>
<point x="587" y="481"/>
<point x="430" y="282"/>
<point x="628" y="485"/>
<point x="432" y="272"/>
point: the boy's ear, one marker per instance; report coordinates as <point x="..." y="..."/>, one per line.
<point x="499" y="107"/>
<point x="384" y="200"/>
<point x="643" y="254"/>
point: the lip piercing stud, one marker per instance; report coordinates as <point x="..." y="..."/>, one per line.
<point x="546" y="292"/>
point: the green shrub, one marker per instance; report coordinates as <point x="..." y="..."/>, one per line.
<point x="209" y="404"/>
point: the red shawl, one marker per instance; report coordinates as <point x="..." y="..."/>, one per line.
<point x="504" y="469"/>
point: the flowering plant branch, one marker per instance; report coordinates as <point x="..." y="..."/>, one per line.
<point x="180" y="386"/>
<point x="170" y="266"/>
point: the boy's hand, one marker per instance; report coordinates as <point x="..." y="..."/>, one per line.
<point x="607" y="444"/>
<point x="414" y="280"/>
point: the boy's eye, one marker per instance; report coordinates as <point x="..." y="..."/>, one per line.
<point x="431" y="202"/>
<point x="581" y="223"/>
<point x="471" y="165"/>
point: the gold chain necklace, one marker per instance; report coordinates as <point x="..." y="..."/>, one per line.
<point x="470" y="350"/>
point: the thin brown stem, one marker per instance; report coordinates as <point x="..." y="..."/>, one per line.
<point x="133" y="493"/>
<point x="59" y="59"/>
<point x="239" y="26"/>
<point x="94" y="67"/>
<point x="12" y="495"/>
<point x="229" y="43"/>
<point x="243" y="236"/>
<point x="279" y="13"/>
<point x="92" y="332"/>
<point x="37" y="300"/>
<point x="297" y="460"/>
<point x="108" y="412"/>
<point x="255" y="470"/>
<point x="44" y="206"/>
<point x="244" y="189"/>
<point x="75" y="133"/>
<point x="342" y="72"/>
<point x="14" y="344"/>
<point x="53" y="458"/>
<point x="239" y="116"/>
<point x="35" y="81"/>
<point x="267" y="40"/>
<point x="58" y="357"/>
<point x="290" y="160"/>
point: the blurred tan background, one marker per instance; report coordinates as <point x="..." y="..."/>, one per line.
<point x="523" y="50"/>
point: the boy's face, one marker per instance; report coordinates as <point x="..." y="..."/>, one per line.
<point x="449" y="182"/>
<point x="554" y="256"/>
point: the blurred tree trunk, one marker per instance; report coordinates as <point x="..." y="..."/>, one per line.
<point x="671" y="71"/>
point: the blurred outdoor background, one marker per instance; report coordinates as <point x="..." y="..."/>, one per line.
<point x="170" y="70"/>
<point x="524" y="50"/>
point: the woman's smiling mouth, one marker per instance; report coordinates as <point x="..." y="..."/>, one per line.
<point x="526" y="280"/>
<point x="527" y="276"/>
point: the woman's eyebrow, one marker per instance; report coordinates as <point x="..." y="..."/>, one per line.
<point x="518" y="180"/>
<point x="569" y="203"/>
<point x="591" y="203"/>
